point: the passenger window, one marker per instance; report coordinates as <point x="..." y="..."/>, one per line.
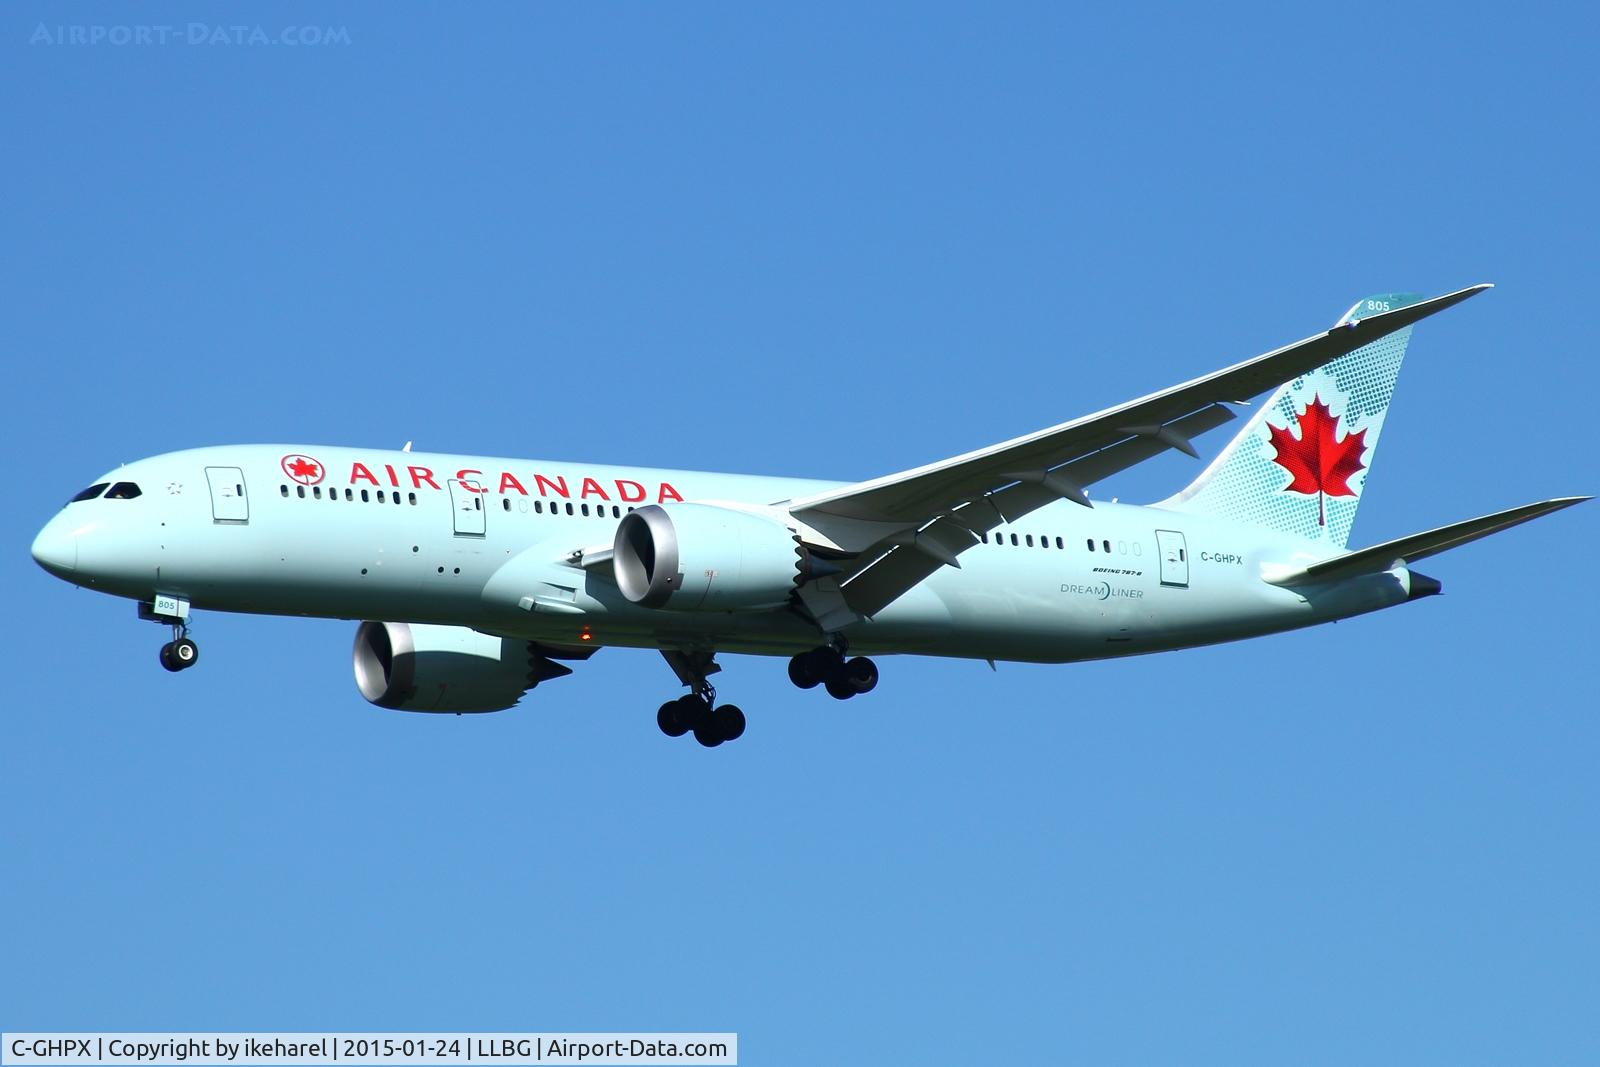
<point x="1030" y="540"/>
<point x="586" y="511"/>
<point x="1090" y="542"/>
<point x="364" y="497"/>
<point x="984" y="537"/>
<point x="316" y="492"/>
<point x="1059" y="543"/>
<point x="569" y="509"/>
<point x="1013" y="540"/>
<point x="283" y="490"/>
<point x="90" y="493"/>
<point x="616" y="512"/>
<point x="123" y="491"/>
<point x="397" y="496"/>
<point x="381" y="498"/>
<point x="300" y="491"/>
<point x="538" y="507"/>
<point x="1106" y="545"/>
<point x="412" y="497"/>
<point x="506" y="502"/>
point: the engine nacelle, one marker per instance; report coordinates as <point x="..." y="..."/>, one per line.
<point x="701" y="557"/>
<point x="414" y="667"/>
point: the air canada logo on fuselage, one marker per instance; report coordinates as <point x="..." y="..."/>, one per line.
<point x="414" y="477"/>
<point x="307" y="470"/>
<point x="303" y="469"/>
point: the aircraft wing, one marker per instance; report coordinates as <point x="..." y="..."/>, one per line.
<point x="938" y="510"/>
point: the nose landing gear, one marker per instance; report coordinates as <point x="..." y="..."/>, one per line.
<point x="180" y="653"/>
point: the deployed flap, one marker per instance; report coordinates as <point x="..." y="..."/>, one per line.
<point x="879" y="580"/>
<point x="1137" y="429"/>
<point x="1407" y="550"/>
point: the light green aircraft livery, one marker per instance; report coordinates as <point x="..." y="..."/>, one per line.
<point x="490" y="575"/>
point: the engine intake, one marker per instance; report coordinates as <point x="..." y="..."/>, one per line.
<point x="416" y="667"/>
<point x="701" y="557"/>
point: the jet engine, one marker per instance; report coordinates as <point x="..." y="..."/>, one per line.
<point x="415" y="667"/>
<point x="701" y="557"/>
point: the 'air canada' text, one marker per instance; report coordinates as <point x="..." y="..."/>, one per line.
<point x="622" y="490"/>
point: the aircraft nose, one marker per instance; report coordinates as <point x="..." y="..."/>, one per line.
<point x="56" y="548"/>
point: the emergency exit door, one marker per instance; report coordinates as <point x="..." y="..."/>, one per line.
<point x="466" y="504"/>
<point x="229" y="505"/>
<point x="1174" y="557"/>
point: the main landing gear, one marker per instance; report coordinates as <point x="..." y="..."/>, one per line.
<point x="827" y="667"/>
<point x="698" y="712"/>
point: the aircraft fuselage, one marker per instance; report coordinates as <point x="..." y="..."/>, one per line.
<point x="487" y="543"/>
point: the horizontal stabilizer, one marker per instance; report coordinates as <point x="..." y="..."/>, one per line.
<point x="1408" y="550"/>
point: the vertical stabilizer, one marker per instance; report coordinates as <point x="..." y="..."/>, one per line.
<point x="1300" y="464"/>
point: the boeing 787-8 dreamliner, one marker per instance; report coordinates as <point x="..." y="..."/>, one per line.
<point x="481" y="578"/>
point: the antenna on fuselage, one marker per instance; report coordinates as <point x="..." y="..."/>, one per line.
<point x="407" y="448"/>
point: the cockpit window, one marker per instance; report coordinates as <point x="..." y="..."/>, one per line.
<point x="123" y="491"/>
<point x="90" y="493"/>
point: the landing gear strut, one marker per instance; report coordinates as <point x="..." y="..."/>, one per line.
<point x="698" y="712"/>
<point x="827" y="667"/>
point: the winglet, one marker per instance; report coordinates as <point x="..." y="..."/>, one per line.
<point x="1412" y="313"/>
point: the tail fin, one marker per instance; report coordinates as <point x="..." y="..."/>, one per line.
<point x="1300" y="465"/>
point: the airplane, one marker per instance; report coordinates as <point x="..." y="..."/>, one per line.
<point x="477" y="579"/>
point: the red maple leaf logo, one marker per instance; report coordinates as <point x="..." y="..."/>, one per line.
<point x="1317" y="461"/>
<point x="302" y="469"/>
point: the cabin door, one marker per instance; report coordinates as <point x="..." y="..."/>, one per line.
<point x="228" y="502"/>
<point x="1174" y="557"/>
<point x="466" y="504"/>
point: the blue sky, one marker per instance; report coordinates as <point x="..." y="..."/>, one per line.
<point x="833" y="242"/>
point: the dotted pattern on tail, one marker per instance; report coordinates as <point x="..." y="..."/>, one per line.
<point x="1246" y="484"/>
